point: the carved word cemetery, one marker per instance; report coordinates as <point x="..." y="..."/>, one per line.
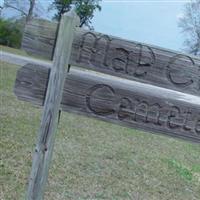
<point x="115" y="80"/>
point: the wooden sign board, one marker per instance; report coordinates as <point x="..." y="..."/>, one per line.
<point x="114" y="100"/>
<point x="118" y="57"/>
<point x="151" y="88"/>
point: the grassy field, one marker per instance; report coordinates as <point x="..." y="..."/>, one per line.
<point x="19" y="52"/>
<point x="12" y="50"/>
<point x="93" y="160"/>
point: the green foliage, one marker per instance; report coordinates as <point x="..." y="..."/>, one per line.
<point x="61" y="7"/>
<point x="181" y="170"/>
<point x="84" y="8"/>
<point x="10" y="33"/>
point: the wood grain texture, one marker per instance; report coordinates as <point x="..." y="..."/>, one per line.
<point x="54" y="87"/>
<point x="130" y="104"/>
<point x="119" y="57"/>
<point x="39" y="37"/>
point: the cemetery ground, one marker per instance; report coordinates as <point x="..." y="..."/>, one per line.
<point x="92" y="159"/>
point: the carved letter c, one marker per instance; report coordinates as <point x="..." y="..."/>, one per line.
<point x="92" y="90"/>
<point x="187" y="80"/>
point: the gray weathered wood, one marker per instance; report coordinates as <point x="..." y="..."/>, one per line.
<point x="39" y="37"/>
<point x="117" y="100"/>
<point x="44" y="148"/>
<point x="115" y="56"/>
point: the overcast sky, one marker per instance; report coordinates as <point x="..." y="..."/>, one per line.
<point x="153" y="22"/>
<point x="150" y="21"/>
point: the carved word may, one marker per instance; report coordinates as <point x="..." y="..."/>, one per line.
<point x="137" y="60"/>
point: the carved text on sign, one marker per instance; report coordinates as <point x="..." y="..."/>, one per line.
<point x="175" y="114"/>
<point x="130" y="110"/>
<point x="134" y="62"/>
<point x="137" y="60"/>
<point x="119" y="57"/>
<point x="184" y="80"/>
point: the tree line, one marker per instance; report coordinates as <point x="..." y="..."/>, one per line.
<point x="11" y="31"/>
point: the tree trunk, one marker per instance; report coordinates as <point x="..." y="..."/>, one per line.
<point x="30" y="11"/>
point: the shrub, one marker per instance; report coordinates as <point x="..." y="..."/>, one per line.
<point x="10" y="33"/>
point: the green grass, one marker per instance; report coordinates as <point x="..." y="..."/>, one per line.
<point x="181" y="170"/>
<point x="92" y="159"/>
<point x="20" y="52"/>
<point x="12" y="50"/>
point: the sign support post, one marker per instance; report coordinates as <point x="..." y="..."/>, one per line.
<point x="45" y="142"/>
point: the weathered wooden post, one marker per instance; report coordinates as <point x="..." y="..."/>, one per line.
<point x="44" y="148"/>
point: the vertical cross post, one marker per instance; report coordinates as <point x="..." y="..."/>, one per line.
<point x="45" y="142"/>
